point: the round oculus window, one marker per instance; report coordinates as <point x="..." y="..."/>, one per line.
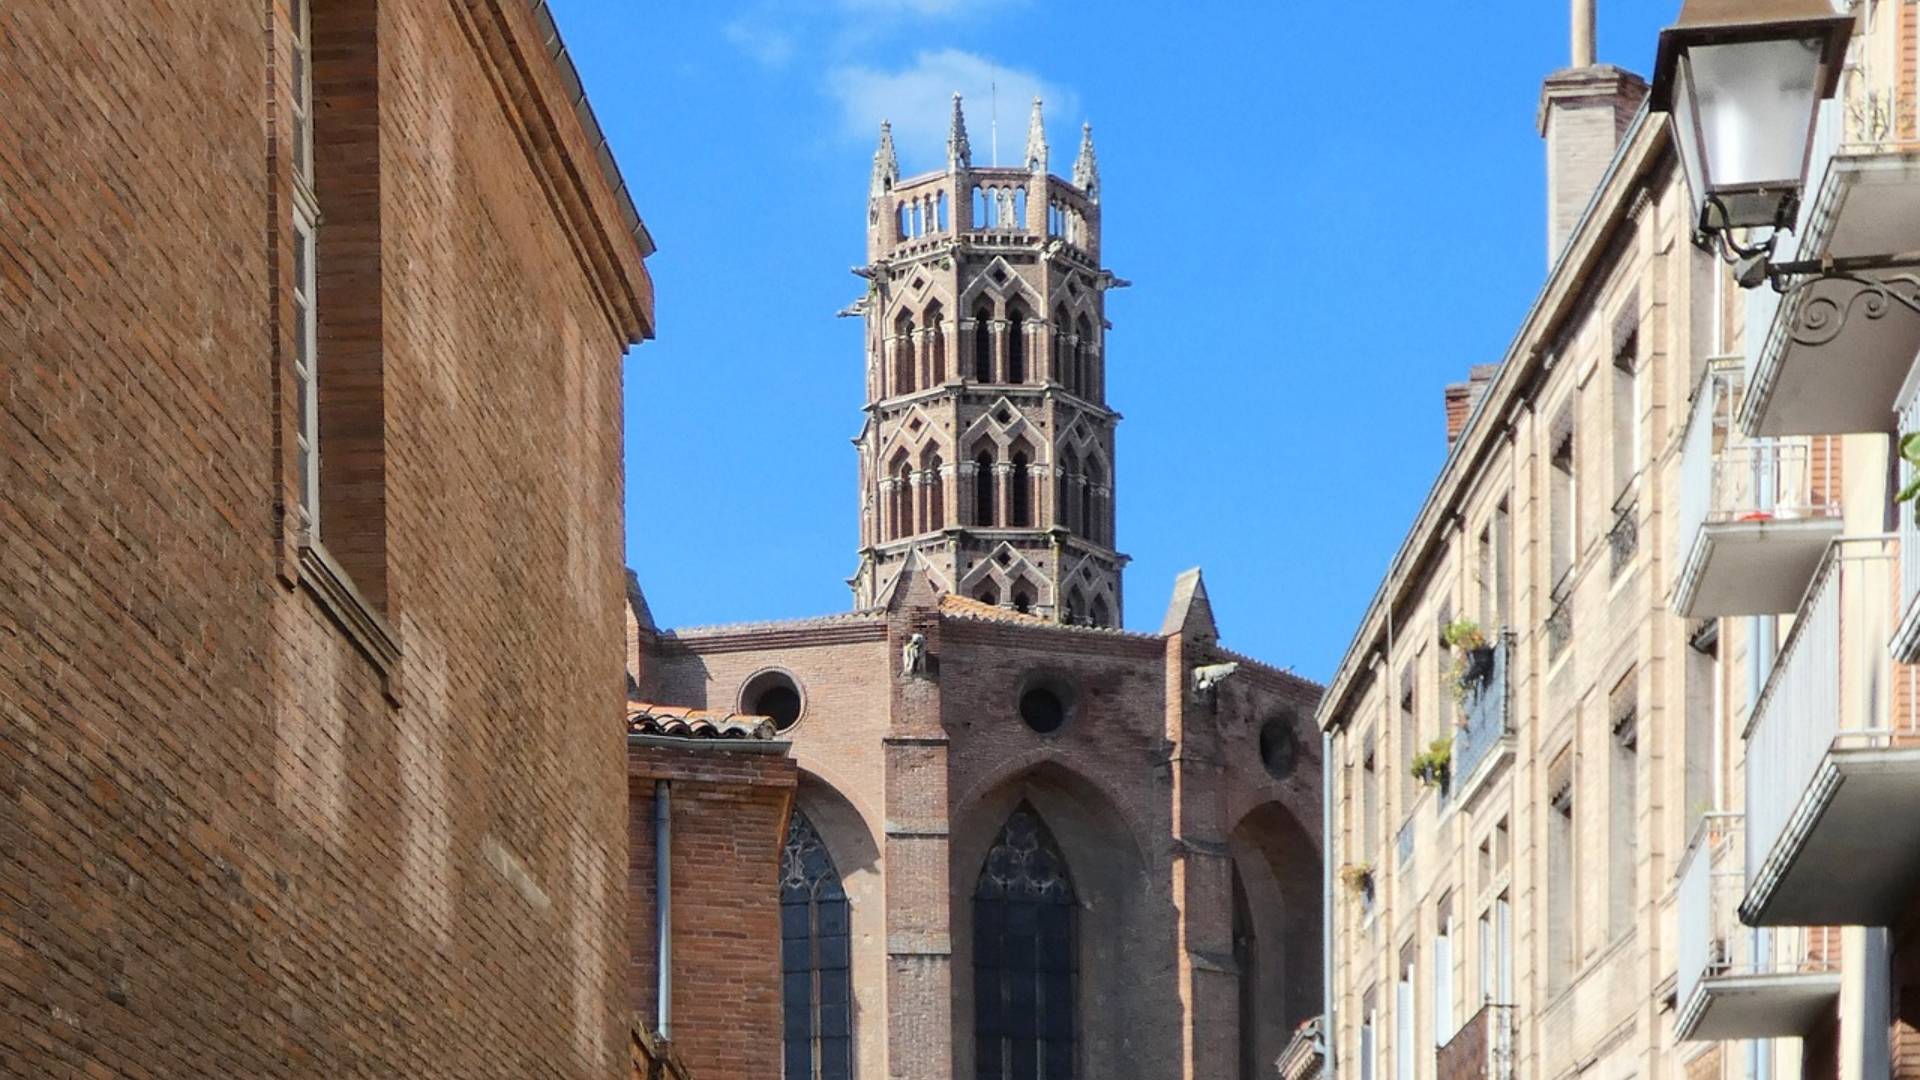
<point x="773" y="694"/>
<point x="1042" y="709"/>
<point x="1279" y="747"/>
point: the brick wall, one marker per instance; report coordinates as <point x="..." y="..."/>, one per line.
<point x="224" y="849"/>
<point x="729" y="820"/>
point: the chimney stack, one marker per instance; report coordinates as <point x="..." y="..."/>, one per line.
<point x="1584" y="112"/>
<point x="1463" y="396"/>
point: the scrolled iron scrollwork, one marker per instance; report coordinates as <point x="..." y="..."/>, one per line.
<point x="1823" y="317"/>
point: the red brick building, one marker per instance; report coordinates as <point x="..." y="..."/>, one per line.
<point x="1024" y="842"/>
<point x="311" y="317"/>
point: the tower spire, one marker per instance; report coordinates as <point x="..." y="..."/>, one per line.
<point x="959" y="153"/>
<point x="1086" y="168"/>
<point x="1036" y="140"/>
<point x="886" y="165"/>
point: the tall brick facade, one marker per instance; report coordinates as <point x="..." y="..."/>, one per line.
<point x="279" y="802"/>
<point x="1024" y="841"/>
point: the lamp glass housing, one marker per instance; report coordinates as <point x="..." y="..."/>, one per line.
<point x="1751" y="106"/>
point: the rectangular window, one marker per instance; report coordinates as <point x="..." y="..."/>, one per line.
<point x="1623" y="799"/>
<point x="1369" y="1049"/>
<point x="1562" y="502"/>
<point x="1503" y="947"/>
<point x="1405" y="1054"/>
<point x="1370" y="803"/>
<point x="1626" y="404"/>
<point x="1560" y="876"/>
<point x="1443" y="973"/>
<point x="1502" y="564"/>
<point x="1409" y="736"/>
<point x="306" y="217"/>
<point x="1703" y="725"/>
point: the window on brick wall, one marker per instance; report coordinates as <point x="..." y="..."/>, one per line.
<point x="815" y="969"/>
<point x="337" y="438"/>
<point x="1024" y="959"/>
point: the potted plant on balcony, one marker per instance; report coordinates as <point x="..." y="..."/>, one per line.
<point x="1432" y="766"/>
<point x="1910" y="453"/>
<point x="1473" y="659"/>
<point x="1358" y="878"/>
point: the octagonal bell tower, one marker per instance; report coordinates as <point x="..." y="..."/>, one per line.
<point x="988" y="449"/>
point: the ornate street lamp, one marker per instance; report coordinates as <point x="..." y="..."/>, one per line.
<point x="1743" y="81"/>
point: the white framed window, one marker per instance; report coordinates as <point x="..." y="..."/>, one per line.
<point x="306" y="225"/>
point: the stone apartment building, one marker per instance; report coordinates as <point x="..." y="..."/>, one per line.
<point x="1666" y="515"/>
<point x="1024" y="841"/>
<point x="311" y="322"/>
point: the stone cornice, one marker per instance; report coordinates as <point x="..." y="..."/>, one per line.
<point x="575" y="175"/>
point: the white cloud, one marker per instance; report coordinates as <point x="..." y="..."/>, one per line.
<point x="767" y="44"/>
<point x="918" y="100"/>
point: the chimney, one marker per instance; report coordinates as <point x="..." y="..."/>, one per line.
<point x="1584" y="111"/>
<point x="1463" y="396"/>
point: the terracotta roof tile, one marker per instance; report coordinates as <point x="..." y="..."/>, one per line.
<point x="681" y="722"/>
<point x="956" y="604"/>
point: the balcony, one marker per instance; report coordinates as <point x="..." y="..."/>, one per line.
<point x="1833" y="757"/>
<point x="1482" y="1048"/>
<point x="1755" y="516"/>
<point x="1829" y="358"/>
<point x="1484" y="736"/>
<point x="1741" y="982"/>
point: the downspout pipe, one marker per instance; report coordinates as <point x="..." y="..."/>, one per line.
<point x="1329" y="1064"/>
<point x="663" y="894"/>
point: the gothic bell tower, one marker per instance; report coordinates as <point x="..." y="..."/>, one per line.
<point x="987" y="455"/>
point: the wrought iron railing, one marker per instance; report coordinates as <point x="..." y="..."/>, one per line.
<point x="1623" y="539"/>
<point x="1560" y="615"/>
<point x="1484" y="716"/>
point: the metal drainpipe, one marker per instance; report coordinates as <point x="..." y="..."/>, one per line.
<point x="663" y="891"/>
<point x="1329" y="1063"/>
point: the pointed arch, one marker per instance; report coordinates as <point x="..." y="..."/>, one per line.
<point x="1061" y="348"/>
<point x="1076" y="607"/>
<point x="1065" y="500"/>
<point x="815" y="958"/>
<point x="1025" y="955"/>
<point x="1092" y="520"/>
<point x="902" y="474"/>
<point x="936" y="330"/>
<point x="1016" y="342"/>
<point x="984" y="503"/>
<point x="1102" y="614"/>
<point x="933" y="510"/>
<point x="903" y="365"/>
<point x="1020" y="490"/>
<point x="1083" y="355"/>
<point x="983" y="341"/>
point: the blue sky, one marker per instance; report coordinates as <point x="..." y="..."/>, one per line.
<point x="1325" y="217"/>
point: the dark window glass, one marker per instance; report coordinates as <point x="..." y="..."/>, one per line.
<point x="1023" y="957"/>
<point x="816" y="987"/>
<point x="1042" y="710"/>
<point x="781" y="702"/>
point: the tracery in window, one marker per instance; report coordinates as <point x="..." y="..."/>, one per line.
<point x="814" y="959"/>
<point x="1023" y="956"/>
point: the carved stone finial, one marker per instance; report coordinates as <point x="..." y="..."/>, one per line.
<point x="1036" y="140"/>
<point x="886" y="165"/>
<point x="959" y="152"/>
<point x="1086" y="168"/>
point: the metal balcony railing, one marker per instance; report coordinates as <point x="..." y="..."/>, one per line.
<point x="1484" y="719"/>
<point x="1831" y="686"/>
<point x="1483" y="1047"/>
<point x="1907" y="645"/>
<point x="1714" y="946"/>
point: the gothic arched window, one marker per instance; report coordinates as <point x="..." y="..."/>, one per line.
<point x="902" y="498"/>
<point x="816" y="988"/>
<point x="1066" y="503"/>
<point x="1091" y="526"/>
<point x="983" y="501"/>
<point x="1016" y="344"/>
<point x="1061" y="373"/>
<point x="936" y="343"/>
<point x="934" y="517"/>
<point x="1023" y="956"/>
<point x="1019" y="491"/>
<point x="1083" y="357"/>
<point x="903" y="354"/>
<point x="983" y="343"/>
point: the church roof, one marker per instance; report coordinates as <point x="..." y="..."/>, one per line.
<point x="955" y="604"/>
<point x="682" y="722"/>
